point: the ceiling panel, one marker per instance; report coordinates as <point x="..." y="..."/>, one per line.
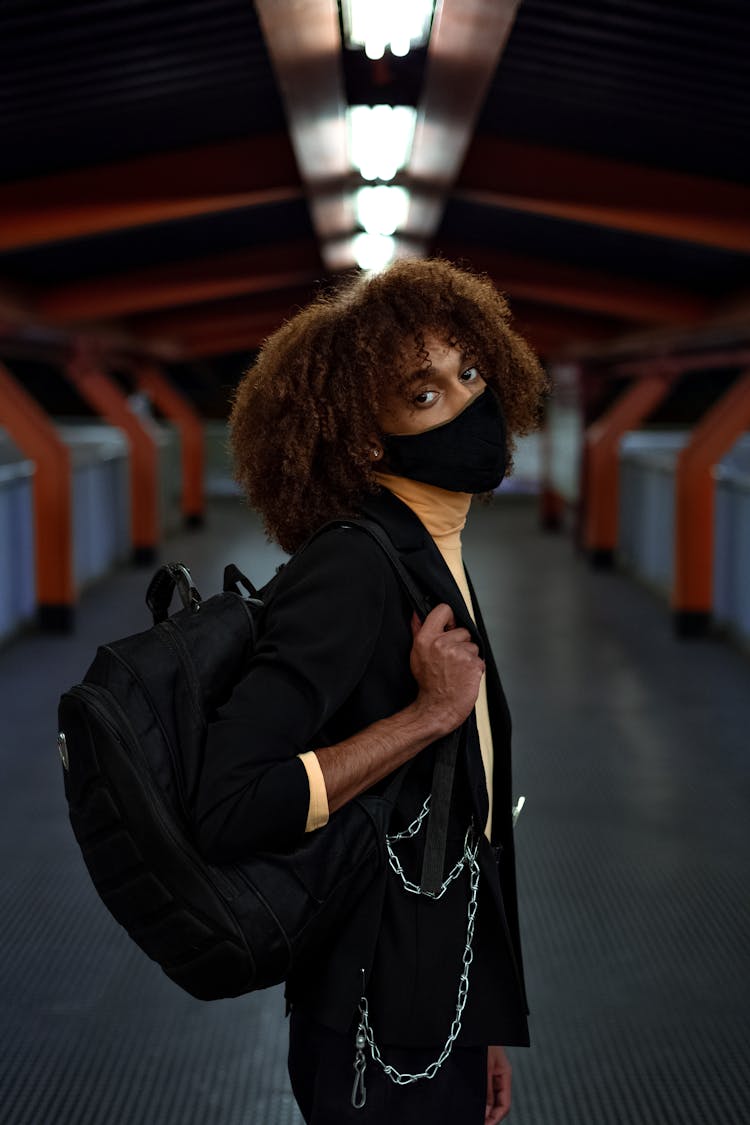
<point x="85" y="83"/>
<point x="657" y="82"/>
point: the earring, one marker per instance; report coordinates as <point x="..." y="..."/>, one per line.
<point x="376" y="453"/>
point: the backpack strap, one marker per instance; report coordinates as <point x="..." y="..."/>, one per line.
<point x="381" y="536"/>
<point x="433" y="860"/>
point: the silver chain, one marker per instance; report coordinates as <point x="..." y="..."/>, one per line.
<point x="407" y="834"/>
<point x="365" y="1036"/>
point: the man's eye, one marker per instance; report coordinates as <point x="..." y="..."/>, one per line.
<point x="470" y="374"/>
<point x="425" y="398"/>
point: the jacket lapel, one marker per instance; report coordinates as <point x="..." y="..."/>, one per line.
<point x="421" y="557"/>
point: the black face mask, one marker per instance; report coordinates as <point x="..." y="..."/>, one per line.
<point x="466" y="454"/>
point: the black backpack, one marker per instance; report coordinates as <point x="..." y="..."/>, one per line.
<point x="131" y="741"/>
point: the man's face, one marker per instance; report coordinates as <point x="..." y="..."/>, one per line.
<point x="434" y="395"/>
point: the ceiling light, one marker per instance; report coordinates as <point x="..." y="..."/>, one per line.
<point x="373" y="251"/>
<point x="382" y="209"/>
<point x="376" y="24"/>
<point x="380" y="138"/>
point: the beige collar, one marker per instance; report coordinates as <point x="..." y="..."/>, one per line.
<point x="442" y="512"/>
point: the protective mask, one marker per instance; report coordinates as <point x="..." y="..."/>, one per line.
<point x="466" y="454"/>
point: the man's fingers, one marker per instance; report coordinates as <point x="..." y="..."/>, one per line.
<point x="439" y="619"/>
<point x="490" y="1105"/>
<point x="455" y="637"/>
<point x="499" y="1078"/>
<point x="416" y="625"/>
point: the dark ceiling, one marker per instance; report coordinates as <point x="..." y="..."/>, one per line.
<point x="149" y="148"/>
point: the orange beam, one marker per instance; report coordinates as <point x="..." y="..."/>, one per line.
<point x="232" y="315"/>
<point x="106" y="398"/>
<point x="570" y="287"/>
<point x="149" y="189"/>
<point x="249" y="271"/>
<point x="235" y="333"/>
<point x="225" y="342"/>
<point x="188" y="421"/>
<point x="590" y="189"/>
<point x="35" y="434"/>
<point x="222" y="343"/>
<point x="602" y="467"/>
<point x="551" y="331"/>
<point x="216" y="332"/>
<point x="695" y="488"/>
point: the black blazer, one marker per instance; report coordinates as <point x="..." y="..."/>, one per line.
<point x="333" y="657"/>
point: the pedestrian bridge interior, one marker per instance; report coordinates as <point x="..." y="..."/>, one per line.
<point x="630" y="747"/>
<point x="177" y="179"/>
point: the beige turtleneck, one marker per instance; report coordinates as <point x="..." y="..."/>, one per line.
<point x="444" y="514"/>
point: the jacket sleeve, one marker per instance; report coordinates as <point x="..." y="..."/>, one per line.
<point x="318" y="633"/>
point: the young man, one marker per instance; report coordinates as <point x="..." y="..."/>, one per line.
<point x="397" y="398"/>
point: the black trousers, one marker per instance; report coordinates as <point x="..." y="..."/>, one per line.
<point x="321" y="1069"/>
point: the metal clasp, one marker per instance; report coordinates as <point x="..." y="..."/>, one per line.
<point x="62" y="749"/>
<point x="183" y="580"/>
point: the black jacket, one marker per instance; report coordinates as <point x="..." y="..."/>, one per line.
<point x="333" y="657"/>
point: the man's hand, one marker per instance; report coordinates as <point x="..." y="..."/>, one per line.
<point x="445" y="663"/>
<point x="498" y="1086"/>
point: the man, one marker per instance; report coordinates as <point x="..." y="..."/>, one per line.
<point x="396" y="398"/>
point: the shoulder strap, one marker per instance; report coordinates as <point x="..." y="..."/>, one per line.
<point x="381" y="536"/>
<point x="433" y="860"/>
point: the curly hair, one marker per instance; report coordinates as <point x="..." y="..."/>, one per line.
<point x="305" y="414"/>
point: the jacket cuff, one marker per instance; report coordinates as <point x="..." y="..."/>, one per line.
<point x="318" y="812"/>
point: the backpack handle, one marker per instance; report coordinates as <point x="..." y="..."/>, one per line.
<point x="235" y="581"/>
<point x="168" y="578"/>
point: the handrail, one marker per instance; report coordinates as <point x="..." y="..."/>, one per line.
<point x="106" y="398"/>
<point x="695" y="489"/>
<point x="601" y="463"/>
<point x="36" y="436"/>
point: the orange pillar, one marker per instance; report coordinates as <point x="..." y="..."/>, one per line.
<point x="602" y="468"/>
<point x="715" y="434"/>
<point x="106" y="398"/>
<point x="35" y="434"/>
<point x="188" y="421"/>
<point x="551" y="503"/>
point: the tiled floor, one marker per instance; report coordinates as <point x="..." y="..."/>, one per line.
<point x="633" y="751"/>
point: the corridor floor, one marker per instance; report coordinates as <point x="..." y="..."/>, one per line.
<point x="633" y="751"/>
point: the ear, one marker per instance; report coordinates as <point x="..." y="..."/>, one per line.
<point x="376" y="449"/>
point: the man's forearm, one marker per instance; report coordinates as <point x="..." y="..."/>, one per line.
<point x="351" y="766"/>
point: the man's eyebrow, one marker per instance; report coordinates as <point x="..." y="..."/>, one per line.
<point x="418" y="376"/>
<point x="423" y="372"/>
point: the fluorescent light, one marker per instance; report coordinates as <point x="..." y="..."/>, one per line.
<point x="382" y="209"/>
<point x="380" y="138"/>
<point x="374" y="24"/>
<point x="373" y="251"/>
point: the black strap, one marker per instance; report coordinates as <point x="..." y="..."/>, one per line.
<point x="381" y="536"/>
<point x="433" y="860"/>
